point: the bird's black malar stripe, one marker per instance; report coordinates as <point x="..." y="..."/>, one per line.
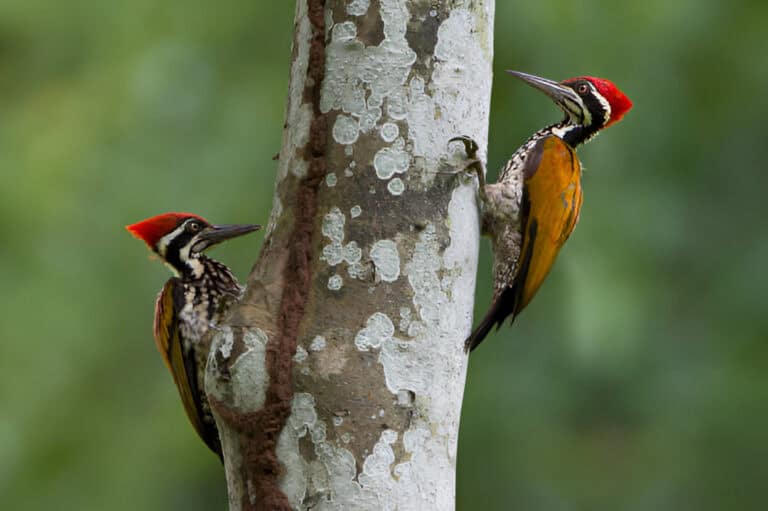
<point x="172" y="253"/>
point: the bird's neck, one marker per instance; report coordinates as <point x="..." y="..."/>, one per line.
<point x="189" y="268"/>
<point x="180" y="258"/>
<point x="572" y="134"/>
<point x="210" y="273"/>
<point x="196" y="266"/>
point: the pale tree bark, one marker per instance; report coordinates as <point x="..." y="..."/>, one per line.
<point x="338" y="381"/>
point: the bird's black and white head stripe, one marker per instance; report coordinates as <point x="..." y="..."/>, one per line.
<point x="182" y="246"/>
<point x="591" y="115"/>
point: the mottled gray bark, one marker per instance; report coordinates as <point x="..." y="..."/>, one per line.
<point x="337" y="383"/>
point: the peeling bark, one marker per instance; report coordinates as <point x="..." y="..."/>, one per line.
<point x="337" y="382"/>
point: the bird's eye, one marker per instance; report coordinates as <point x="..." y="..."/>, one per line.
<point x="582" y="88"/>
<point x="193" y="226"/>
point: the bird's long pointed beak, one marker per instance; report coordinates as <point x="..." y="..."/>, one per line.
<point x="560" y="94"/>
<point x="218" y="233"/>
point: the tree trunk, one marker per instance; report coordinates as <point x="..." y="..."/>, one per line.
<point x="337" y="382"/>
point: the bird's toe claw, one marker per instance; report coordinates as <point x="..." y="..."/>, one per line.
<point x="470" y="146"/>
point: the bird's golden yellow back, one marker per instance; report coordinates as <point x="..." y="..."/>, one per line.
<point x="552" y="203"/>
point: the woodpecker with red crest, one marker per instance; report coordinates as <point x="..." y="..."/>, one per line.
<point x="532" y="209"/>
<point x="194" y="299"/>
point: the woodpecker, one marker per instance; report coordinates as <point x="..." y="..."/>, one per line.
<point x="196" y="298"/>
<point x="532" y="209"/>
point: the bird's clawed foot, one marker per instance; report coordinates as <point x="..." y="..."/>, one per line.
<point x="474" y="162"/>
<point x="470" y="146"/>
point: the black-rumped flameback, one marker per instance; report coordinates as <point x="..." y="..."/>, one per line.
<point x="194" y="299"/>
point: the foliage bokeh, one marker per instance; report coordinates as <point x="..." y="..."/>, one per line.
<point x="637" y="379"/>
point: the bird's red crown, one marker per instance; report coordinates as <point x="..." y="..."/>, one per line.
<point x="152" y="229"/>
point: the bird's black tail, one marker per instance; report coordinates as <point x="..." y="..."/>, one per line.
<point x="483" y="329"/>
<point x="502" y="307"/>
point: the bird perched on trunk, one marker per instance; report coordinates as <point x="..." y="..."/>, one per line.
<point x="194" y="299"/>
<point x="533" y="207"/>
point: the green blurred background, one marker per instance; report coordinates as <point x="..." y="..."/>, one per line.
<point x="637" y="379"/>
